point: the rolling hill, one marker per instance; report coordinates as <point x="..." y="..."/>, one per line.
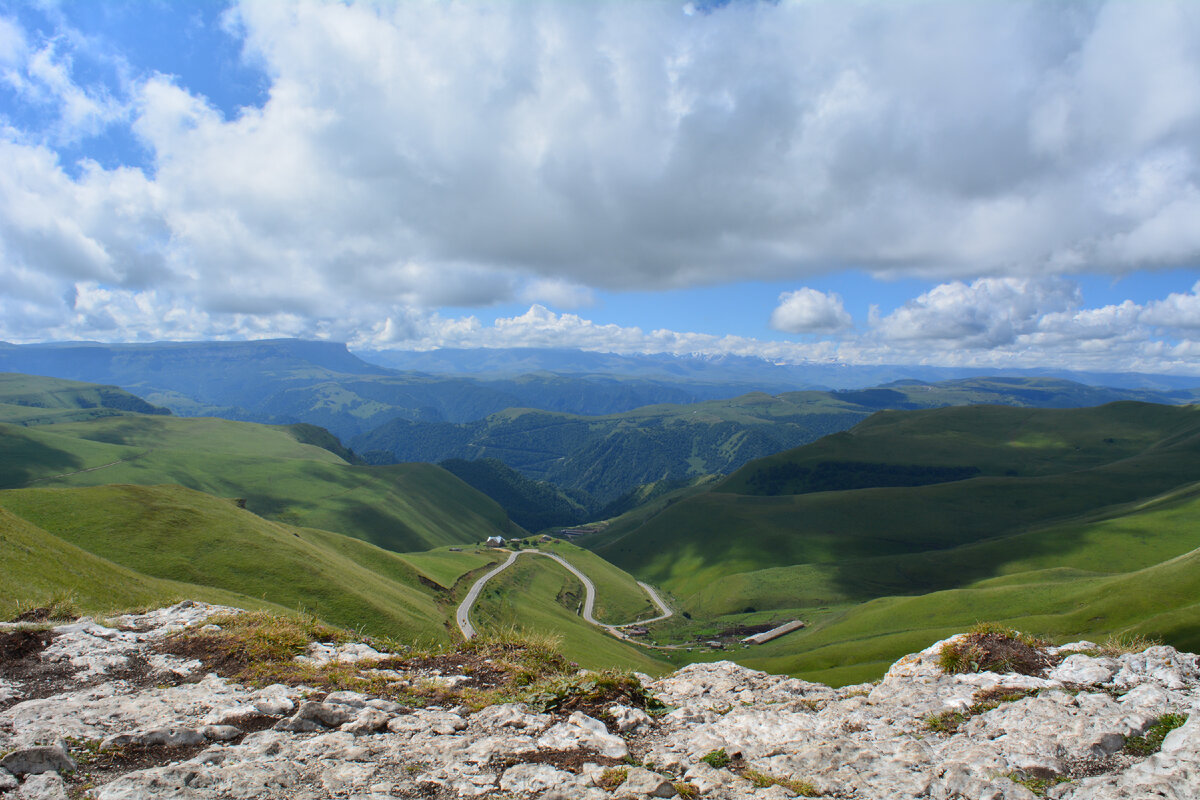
<point x="273" y="470"/>
<point x="602" y="458"/>
<point x="1062" y="509"/>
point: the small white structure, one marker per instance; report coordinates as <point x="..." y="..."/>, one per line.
<point x="495" y="541"/>
<point x="774" y="633"/>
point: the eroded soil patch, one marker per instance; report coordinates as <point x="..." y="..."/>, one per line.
<point x="568" y="760"/>
<point x="21" y="664"/>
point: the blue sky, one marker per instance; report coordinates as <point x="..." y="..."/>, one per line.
<point x="989" y="183"/>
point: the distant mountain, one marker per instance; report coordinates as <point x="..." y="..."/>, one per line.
<point x="762" y="374"/>
<point x="534" y="505"/>
<point x="322" y="383"/>
<point x="604" y="457"/>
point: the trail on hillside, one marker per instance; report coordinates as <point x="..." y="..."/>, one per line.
<point x="463" y="614"/>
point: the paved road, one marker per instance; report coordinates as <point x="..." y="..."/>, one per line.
<point x="463" y="615"/>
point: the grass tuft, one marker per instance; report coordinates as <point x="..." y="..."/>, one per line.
<point x="612" y="777"/>
<point x="763" y="780"/>
<point x="1151" y="742"/>
<point x="717" y="759"/>
<point x="990" y="647"/>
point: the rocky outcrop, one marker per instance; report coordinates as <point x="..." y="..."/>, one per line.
<point x="101" y="711"/>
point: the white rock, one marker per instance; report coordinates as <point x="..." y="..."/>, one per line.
<point x="48" y="786"/>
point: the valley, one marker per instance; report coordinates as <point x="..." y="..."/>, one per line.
<point x="1058" y="508"/>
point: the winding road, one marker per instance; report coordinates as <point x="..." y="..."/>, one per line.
<point x="463" y="615"/>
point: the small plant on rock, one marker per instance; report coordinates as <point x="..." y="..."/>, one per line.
<point x="591" y="693"/>
<point x="688" y="791"/>
<point x="717" y="759"/>
<point x="946" y="722"/>
<point x="762" y="780"/>
<point x="990" y="647"/>
<point x="612" y="777"/>
<point x="1038" y="784"/>
<point x="1151" y="742"/>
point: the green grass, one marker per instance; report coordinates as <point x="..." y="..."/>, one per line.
<point x="41" y="569"/>
<point x="176" y="534"/>
<point x="701" y="540"/>
<point x="536" y="594"/>
<point x="447" y="567"/>
<point x="399" y="507"/>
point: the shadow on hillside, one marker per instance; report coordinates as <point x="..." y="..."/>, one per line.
<point x="22" y="461"/>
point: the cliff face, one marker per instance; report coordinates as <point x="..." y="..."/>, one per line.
<point x="111" y="713"/>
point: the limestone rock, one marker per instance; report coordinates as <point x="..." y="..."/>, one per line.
<point x="47" y="786"/>
<point x="36" y="760"/>
<point x="641" y="783"/>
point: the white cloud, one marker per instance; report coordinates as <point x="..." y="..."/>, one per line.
<point x="1178" y="311"/>
<point x="985" y="313"/>
<point x="558" y="293"/>
<point x="810" y="311"/>
<point x="411" y="156"/>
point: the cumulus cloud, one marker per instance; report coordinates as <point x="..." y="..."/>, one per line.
<point x="410" y="156"/>
<point x="810" y="311"/>
<point x="987" y="312"/>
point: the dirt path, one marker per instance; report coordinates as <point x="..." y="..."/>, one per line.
<point x="463" y="614"/>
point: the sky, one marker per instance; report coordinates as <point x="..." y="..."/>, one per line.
<point x="992" y="184"/>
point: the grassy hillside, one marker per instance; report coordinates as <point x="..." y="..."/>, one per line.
<point x="1037" y="466"/>
<point x="34" y="400"/>
<point x="41" y="568"/>
<point x="272" y="468"/>
<point x="180" y="535"/>
<point x="1079" y="523"/>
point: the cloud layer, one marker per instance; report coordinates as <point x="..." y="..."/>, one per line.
<point x="413" y="156"/>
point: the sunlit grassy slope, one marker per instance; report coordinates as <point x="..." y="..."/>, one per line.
<point x="399" y="507"/>
<point x="537" y="594"/>
<point x="1081" y="523"/>
<point x="1037" y="467"/>
<point x="35" y="400"/>
<point x="39" y="568"/>
<point x="177" y="534"/>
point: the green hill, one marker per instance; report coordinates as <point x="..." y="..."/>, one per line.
<point x="1134" y="573"/>
<point x="1065" y="508"/>
<point x="605" y="457"/>
<point x="41" y="568"/>
<point x="271" y="468"/>
<point x="33" y="400"/>
<point x="147" y="536"/>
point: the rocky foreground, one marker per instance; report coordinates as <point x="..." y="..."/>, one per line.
<point x="88" y="710"/>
